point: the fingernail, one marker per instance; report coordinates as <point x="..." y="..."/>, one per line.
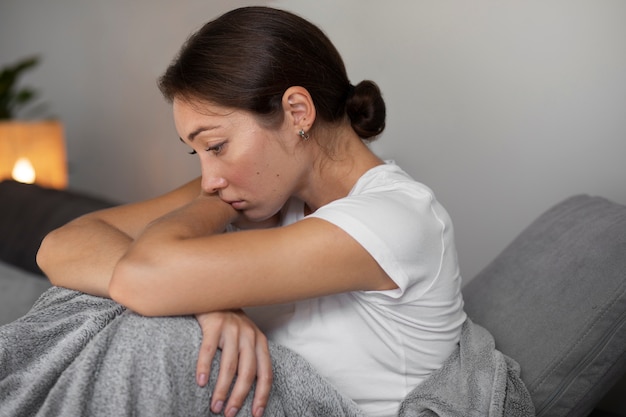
<point x="259" y="412"/>
<point x="232" y="411"/>
<point x="217" y="407"/>
<point x="202" y="379"/>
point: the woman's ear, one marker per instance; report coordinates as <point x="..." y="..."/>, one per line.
<point x="299" y="108"/>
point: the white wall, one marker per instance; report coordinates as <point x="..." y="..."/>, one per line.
<point x="503" y="108"/>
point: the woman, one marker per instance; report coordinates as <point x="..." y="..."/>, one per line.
<point x="329" y="250"/>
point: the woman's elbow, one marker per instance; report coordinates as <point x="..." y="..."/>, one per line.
<point x="129" y="287"/>
<point x="46" y="256"/>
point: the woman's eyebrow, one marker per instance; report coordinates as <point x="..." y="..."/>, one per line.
<point x="199" y="130"/>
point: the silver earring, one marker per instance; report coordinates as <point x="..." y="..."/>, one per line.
<point x="303" y="134"/>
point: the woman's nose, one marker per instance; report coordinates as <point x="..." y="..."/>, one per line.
<point x="212" y="182"/>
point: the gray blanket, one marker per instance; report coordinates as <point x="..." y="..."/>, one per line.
<point x="79" y="355"/>
<point x="475" y="381"/>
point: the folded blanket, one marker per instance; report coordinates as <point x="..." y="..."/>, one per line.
<point x="75" y="354"/>
<point x="79" y="355"/>
<point x="475" y="381"/>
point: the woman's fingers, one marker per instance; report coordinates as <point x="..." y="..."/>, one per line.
<point x="254" y="364"/>
<point x="210" y="340"/>
<point x="228" y="368"/>
<point x="264" y="376"/>
<point x="246" y="372"/>
<point x="245" y="356"/>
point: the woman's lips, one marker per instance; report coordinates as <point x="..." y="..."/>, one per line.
<point x="237" y="205"/>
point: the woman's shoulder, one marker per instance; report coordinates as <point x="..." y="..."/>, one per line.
<point x="385" y="195"/>
<point x="388" y="207"/>
<point x="400" y="223"/>
<point x="392" y="189"/>
<point x="389" y="177"/>
<point x="387" y="198"/>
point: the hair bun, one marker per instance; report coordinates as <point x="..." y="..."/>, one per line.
<point x="366" y="109"/>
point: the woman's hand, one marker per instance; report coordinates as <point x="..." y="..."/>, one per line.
<point x="245" y="353"/>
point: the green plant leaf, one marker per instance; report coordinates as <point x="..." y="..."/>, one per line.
<point x="25" y="95"/>
<point x="10" y="99"/>
<point x="26" y="64"/>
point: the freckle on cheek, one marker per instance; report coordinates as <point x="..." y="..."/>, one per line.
<point x="258" y="173"/>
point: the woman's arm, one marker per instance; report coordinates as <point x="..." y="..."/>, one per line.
<point x="82" y="254"/>
<point x="177" y="266"/>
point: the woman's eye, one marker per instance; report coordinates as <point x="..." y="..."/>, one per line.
<point x="216" y="149"/>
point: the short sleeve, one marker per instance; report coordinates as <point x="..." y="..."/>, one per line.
<point x="400" y="224"/>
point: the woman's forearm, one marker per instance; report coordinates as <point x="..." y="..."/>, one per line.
<point x="82" y="255"/>
<point x="151" y="259"/>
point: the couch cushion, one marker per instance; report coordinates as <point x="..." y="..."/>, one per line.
<point x="555" y="301"/>
<point x="29" y="212"/>
<point x="19" y="289"/>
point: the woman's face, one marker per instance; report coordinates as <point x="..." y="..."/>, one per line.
<point x="251" y="167"/>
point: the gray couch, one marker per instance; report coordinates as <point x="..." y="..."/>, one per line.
<point x="27" y="214"/>
<point x="554" y="299"/>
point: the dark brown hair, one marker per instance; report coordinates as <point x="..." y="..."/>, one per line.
<point x="248" y="58"/>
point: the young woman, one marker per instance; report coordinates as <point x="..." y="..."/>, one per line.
<point x="295" y="232"/>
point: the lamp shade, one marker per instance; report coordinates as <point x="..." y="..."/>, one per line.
<point x="33" y="152"/>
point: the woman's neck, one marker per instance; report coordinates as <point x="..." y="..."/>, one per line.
<point x="335" y="173"/>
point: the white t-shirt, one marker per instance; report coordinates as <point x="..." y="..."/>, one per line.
<point x="376" y="346"/>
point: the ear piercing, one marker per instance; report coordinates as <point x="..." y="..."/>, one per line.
<point x="303" y="134"/>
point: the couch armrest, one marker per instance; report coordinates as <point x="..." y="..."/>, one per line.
<point x="555" y="301"/>
<point x="29" y="212"/>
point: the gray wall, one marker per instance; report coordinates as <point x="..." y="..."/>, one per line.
<point x="503" y="108"/>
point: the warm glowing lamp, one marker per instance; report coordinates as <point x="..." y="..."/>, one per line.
<point x="33" y="153"/>
<point x="23" y="171"/>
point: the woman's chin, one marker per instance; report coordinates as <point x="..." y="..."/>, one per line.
<point x="255" y="220"/>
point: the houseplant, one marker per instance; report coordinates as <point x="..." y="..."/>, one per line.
<point x="30" y="151"/>
<point x="12" y="97"/>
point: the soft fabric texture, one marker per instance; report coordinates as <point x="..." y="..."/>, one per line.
<point x="464" y="385"/>
<point x="555" y="300"/>
<point x="384" y="343"/>
<point x="75" y="354"/>
<point x="79" y="355"/>
<point x="29" y="212"/>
